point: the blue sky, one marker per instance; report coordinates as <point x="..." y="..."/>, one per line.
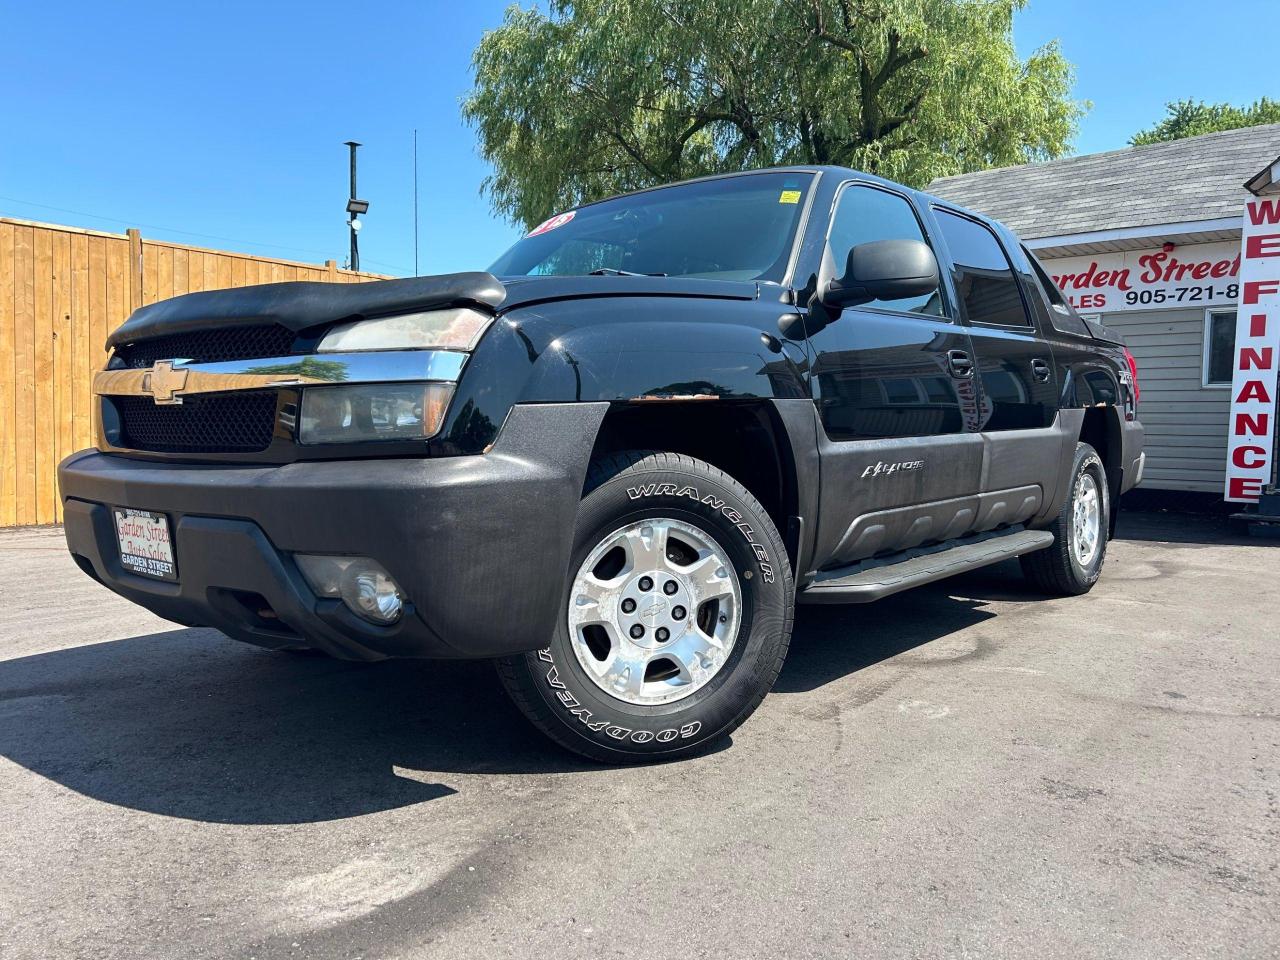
<point x="221" y="124"/>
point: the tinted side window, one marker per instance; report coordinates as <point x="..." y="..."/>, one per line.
<point x="1063" y="317"/>
<point x="983" y="277"/>
<point x="865" y="214"/>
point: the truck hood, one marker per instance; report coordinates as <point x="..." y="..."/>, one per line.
<point x="299" y="305"/>
<point x="522" y="291"/>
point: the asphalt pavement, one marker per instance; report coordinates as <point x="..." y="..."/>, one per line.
<point x="965" y="770"/>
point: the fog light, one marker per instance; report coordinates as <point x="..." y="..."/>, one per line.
<point x="361" y="583"/>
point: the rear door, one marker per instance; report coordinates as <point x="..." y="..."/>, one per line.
<point x="894" y="387"/>
<point x="1018" y="387"/>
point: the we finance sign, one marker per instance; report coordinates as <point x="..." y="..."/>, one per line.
<point x="1197" y="275"/>
<point x="1253" y="386"/>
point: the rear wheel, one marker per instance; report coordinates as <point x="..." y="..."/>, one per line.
<point x="676" y="616"/>
<point x="1073" y="564"/>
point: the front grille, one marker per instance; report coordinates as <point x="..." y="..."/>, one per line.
<point x="210" y="346"/>
<point x="241" y="422"/>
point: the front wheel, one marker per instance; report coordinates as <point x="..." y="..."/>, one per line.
<point x="675" y="620"/>
<point x="1073" y="564"/>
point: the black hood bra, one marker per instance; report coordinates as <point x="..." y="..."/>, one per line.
<point x="300" y="305"/>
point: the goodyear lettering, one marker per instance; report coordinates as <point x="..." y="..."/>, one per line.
<point x="613" y="730"/>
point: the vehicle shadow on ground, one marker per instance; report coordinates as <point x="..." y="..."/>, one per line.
<point x="831" y="641"/>
<point x="187" y="723"/>
<point x="1187" y="529"/>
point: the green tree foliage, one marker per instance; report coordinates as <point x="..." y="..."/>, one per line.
<point x="603" y="96"/>
<point x="1190" y="118"/>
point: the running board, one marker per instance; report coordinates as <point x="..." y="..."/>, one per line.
<point x="871" y="580"/>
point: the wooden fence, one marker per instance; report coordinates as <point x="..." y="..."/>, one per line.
<point x="62" y="290"/>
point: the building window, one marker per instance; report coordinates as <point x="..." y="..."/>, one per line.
<point x="1219" y="347"/>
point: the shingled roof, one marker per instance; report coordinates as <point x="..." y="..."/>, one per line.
<point x="1198" y="178"/>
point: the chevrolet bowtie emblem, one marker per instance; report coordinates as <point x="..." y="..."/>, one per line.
<point x="164" y="383"/>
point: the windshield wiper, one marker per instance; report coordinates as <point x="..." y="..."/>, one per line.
<point x="610" y="272"/>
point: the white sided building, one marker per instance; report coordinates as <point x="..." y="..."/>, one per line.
<point x="1148" y="239"/>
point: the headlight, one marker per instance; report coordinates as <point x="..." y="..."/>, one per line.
<point x="373" y="411"/>
<point x="454" y="329"/>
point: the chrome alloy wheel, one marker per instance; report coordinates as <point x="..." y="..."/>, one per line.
<point x="654" y="611"/>
<point x="1086" y="519"/>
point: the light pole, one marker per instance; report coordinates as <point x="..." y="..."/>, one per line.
<point x="355" y="208"/>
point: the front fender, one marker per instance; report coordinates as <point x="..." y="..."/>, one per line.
<point x="663" y="359"/>
<point x="623" y="350"/>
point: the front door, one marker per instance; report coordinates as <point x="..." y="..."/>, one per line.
<point x="893" y="381"/>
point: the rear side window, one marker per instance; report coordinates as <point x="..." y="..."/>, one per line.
<point x="983" y="276"/>
<point x="865" y="214"/>
<point x="1063" y="317"/>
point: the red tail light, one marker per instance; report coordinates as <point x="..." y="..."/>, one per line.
<point x="1133" y="373"/>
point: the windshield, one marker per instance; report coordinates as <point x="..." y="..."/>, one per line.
<point x="733" y="228"/>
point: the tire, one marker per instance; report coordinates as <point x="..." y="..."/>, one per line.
<point x="1067" y="568"/>
<point x="691" y="531"/>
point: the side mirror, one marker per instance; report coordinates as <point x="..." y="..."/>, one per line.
<point x="884" y="270"/>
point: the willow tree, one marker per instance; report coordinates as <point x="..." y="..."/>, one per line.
<point x="602" y="96"/>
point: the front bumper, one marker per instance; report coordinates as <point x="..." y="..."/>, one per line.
<point x="478" y="544"/>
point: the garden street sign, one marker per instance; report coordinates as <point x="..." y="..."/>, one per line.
<point x="1196" y="275"/>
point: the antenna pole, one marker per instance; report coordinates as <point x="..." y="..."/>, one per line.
<point x="355" y="247"/>
<point x="415" y="202"/>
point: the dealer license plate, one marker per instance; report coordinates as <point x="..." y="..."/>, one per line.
<point x="145" y="546"/>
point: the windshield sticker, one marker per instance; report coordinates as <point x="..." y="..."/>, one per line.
<point x="546" y="226"/>
<point x="789" y="196"/>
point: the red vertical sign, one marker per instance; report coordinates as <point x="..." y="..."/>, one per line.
<point x="1253" y="389"/>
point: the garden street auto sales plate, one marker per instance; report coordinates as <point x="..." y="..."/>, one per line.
<point x="145" y="547"/>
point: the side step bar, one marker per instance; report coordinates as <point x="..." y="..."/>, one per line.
<point x="871" y="580"/>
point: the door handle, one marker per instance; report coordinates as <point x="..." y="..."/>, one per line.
<point x="1040" y="370"/>
<point x="960" y="364"/>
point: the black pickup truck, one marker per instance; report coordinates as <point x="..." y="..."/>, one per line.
<point x="615" y="461"/>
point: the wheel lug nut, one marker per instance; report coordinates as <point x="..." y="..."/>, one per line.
<point x="663" y="634"/>
<point x="628" y="605"/>
<point x="669" y="587"/>
<point x="637" y="631"/>
<point x="646" y="583"/>
<point x="678" y="613"/>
